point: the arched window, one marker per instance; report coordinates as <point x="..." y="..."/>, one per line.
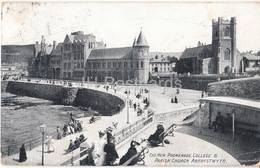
<point x="142" y="64"/>
<point x="226" y="31"/>
<point x="227" y="54"/>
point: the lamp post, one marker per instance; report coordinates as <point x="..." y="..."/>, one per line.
<point x="127" y="101"/>
<point x="42" y="128"/>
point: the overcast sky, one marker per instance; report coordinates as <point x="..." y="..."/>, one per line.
<point x="168" y="27"/>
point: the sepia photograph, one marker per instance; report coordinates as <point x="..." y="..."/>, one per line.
<point x="109" y="83"/>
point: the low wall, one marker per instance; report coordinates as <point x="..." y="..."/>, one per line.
<point x="43" y="91"/>
<point x="104" y="103"/>
<point x="209" y="111"/>
<point x="195" y="82"/>
<point x="168" y="117"/>
<point x="245" y="88"/>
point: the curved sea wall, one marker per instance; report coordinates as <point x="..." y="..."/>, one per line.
<point x="104" y="103"/>
<point x="245" y="88"/>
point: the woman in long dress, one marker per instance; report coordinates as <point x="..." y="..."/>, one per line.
<point x="22" y="154"/>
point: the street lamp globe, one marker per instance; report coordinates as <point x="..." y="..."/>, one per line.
<point x="43" y="127"/>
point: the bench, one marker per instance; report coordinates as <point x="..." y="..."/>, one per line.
<point x="139" y="157"/>
<point x="75" y="146"/>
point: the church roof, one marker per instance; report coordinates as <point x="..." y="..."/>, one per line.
<point x="141" y="41"/>
<point x="195" y="51"/>
<point x="110" y="53"/>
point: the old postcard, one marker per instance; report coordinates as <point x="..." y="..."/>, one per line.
<point x="130" y="83"/>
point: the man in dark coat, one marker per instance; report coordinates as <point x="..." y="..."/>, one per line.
<point x="111" y="154"/>
<point x="22" y="154"/>
<point x="218" y="123"/>
<point x="130" y="153"/>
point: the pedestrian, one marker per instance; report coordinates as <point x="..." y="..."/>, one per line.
<point x="130" y="153"/>
<point x="135" y="106"/>
<point x="118" y="107"/>
<point x="111" y="153"/>
<point x="22" y="154"/>
<point x="58" y="133"/>
<point x="176" y="99"/>
<point x="218" y="123"/>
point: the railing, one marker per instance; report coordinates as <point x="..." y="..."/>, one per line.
<point x="126" y="132"/>
<point x="120" y="136"/>
<point x="74" y="158"/>
<point x="15" y="148"/>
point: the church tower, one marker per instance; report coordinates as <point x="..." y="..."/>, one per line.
<point x="141" y="56"/>
<point x="224" y="45"/>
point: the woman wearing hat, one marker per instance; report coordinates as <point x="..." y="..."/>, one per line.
<point x="130" y="153"/>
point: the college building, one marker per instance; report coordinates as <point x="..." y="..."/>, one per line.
<point x="127" y="63"/>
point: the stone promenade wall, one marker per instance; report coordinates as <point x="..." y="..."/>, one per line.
<point x="104" y="103"/>
<point x="43" y="91"/>
<point x="245" y="88"/>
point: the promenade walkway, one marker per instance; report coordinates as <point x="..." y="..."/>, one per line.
<point x="160" y="99"/>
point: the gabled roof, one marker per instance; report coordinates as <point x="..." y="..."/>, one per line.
<point x="141" y="41"/>
<point x="195" y="52"/>
<point x="80" y="37"/>
<point x="110" y="53"/>
<point x="57" y="50"/>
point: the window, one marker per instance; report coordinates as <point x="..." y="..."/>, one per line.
<point x="216" y="34"/>
<point x="65" y="65"/>
<point x="103" y="64"/>
<point x="109" y="65"/>
<point x="82" y="56"/>
<point x="64" y="56"/>
<point x="75" y="65"/>
<point x="114" y="64"/>
<point x="131" y="64"/>
<point x="69" y="56"/>
<point x="142" y="64"/>
<point x="69" y="65"/>
<point x="89" y="65"/>
<point x="64" y="74"/>
<point x="226" y="31"/>
<point x="82" y="65"/>
<point x="78" y="56"/>
<point x="125" y="64"/>
<point x="75" y="56"/>
<point x="209" y="65"/>
<point x="137" y="64"/>
<point x="94" y="65"/>
<point x="227" y="54"/>
<point x="69" y="74"/>
<point x="119" y="64"/>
